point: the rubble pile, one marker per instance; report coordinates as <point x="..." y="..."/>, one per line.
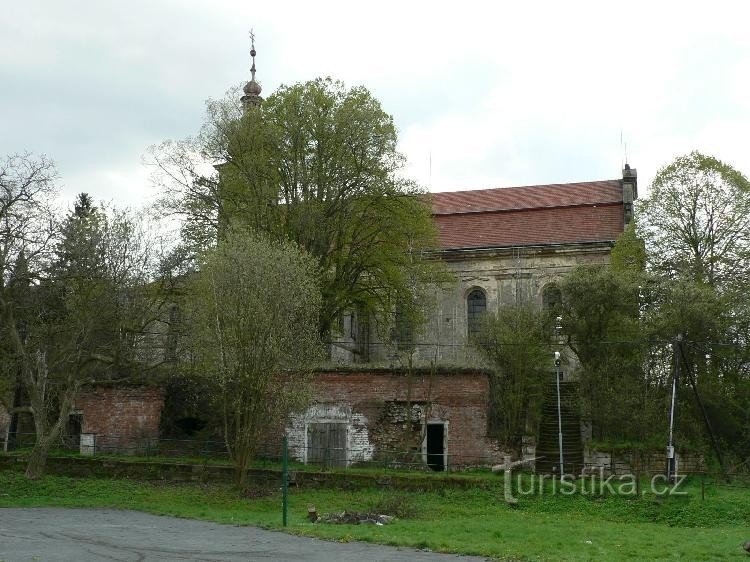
<point x="349" y="518"/>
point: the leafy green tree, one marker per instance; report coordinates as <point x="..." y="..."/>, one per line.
<point x="602" y="326"/>
<point x="696" y="221"/>
<point x="696" y="224"/>
<point x="602" y="321"/>
<point x="515" y="341"/>
<point x="712" y="328"/>
<point x="254" y="337"/>
<point x="316" y="164"/>
<point x="628" y="255"/>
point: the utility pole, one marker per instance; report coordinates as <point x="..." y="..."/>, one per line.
<point x="671" y="457"/>
<point x="559" y="413"/>
<point x="558" y="327"/>
<point x="285" y="482"/>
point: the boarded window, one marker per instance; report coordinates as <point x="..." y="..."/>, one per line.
<point x="476" y="306"/>
<point x="326" y="444"/>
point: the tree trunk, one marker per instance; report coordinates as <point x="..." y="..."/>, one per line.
<point x="46" y="435"/>
<point x="241" y="464"/>
<point x="38" y="458"/>
<point x="12" y="441"/>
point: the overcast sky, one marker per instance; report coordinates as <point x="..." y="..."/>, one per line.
<point x="498" y="93"/>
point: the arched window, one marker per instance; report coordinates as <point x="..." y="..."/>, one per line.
<point x="476" y="305"/>
<point x="552" y="298"/>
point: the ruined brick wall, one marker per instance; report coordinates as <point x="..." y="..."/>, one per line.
<point x="122" y="418"/>
<point x="373" y="404"/>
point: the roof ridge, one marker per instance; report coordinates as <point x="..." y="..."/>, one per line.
<point x="539" y="185"/>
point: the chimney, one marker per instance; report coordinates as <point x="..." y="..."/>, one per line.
<point x="629" y="190"/>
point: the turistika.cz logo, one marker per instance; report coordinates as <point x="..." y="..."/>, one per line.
<point x="589" y="485"/>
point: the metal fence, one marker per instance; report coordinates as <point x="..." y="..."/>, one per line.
<point x="123" y="445"/>
<point x="317" y="457"/>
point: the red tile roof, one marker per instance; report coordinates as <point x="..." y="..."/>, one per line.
<point x="518" y="216"/>
<point x="527" y="197"/>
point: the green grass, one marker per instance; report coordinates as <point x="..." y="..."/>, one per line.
<point x="466" y="521"/>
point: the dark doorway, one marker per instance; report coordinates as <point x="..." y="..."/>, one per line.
<point x="73" y="430"/>
<point x="436" y="446"/>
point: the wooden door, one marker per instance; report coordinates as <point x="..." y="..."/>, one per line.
<point x="326" y="444"/>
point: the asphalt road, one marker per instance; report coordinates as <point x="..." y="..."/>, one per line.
<point x="42" y="534"/>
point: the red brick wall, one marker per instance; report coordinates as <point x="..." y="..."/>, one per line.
<point x="121" y="417"/>
<point x="460" y="398"/>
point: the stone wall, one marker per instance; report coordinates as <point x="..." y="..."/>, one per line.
<point x="385" y="412"/>
<point x="651" y="462"/>
<point x="123" y="419"/>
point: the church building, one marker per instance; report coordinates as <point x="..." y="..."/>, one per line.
<point x="505" y="246"/>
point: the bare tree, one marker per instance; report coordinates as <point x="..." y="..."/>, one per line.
<point x="27" y="188"/>
<point x="74" y="300"/>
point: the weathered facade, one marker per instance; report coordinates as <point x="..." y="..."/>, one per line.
<point x="395" y="417"/>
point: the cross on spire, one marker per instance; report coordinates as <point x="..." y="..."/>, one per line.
<point x="252" y="53"/>
<point x="252" y="89"/>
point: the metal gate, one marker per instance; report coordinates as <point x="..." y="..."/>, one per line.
<point x="326" y="444"/>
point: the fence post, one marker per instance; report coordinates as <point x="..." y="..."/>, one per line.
<point x="285" y="482"/>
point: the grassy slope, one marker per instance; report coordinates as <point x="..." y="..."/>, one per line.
<point x="472" y="522"/>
